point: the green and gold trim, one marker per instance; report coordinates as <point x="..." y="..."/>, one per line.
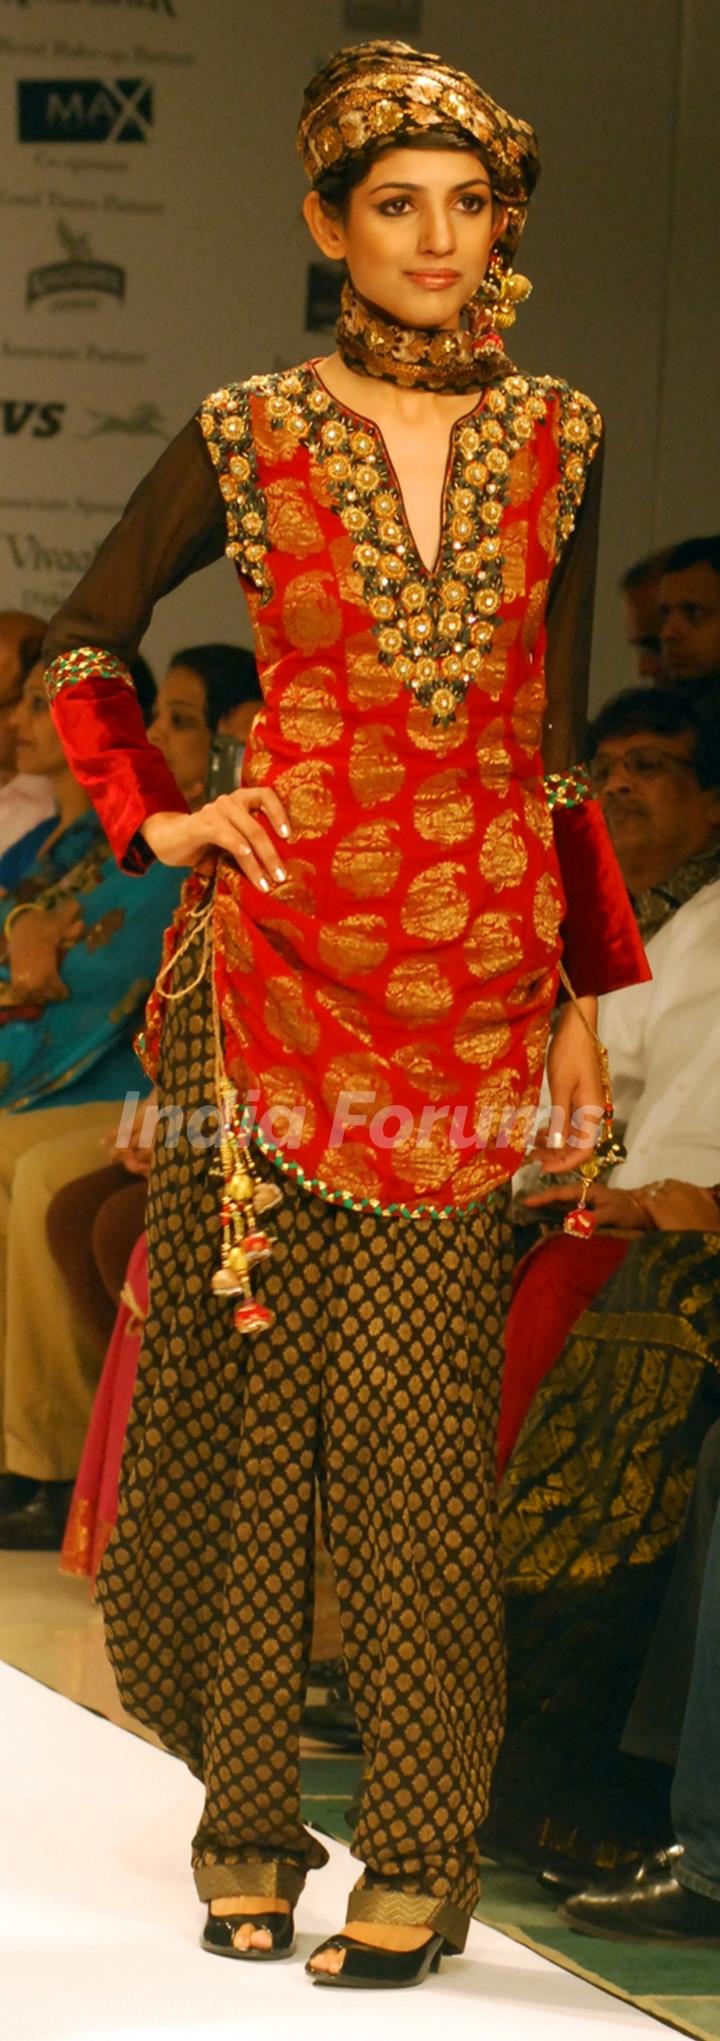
<point x="568" y="789"/>
<point x="86" y="662"/>
<point x="345" y="1199"/>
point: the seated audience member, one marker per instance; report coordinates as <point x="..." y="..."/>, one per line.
<point x="25" y="798"/>
<point x="689" y="603"/>
<point x="592" y="1502"/>
<point x="655" y="761"/>
<point x="590" y="1514"/>
<point x="208" y="690"/>
<point x="640" y="589"/>
<point x="675" y="1893"/>
<point x="80" y="943"/>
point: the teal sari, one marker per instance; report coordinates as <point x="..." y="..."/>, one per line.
<point x="80" y="1048"/>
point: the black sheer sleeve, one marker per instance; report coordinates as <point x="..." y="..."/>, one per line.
<point x="569" y="632"/>
<point x="173" y="524"/>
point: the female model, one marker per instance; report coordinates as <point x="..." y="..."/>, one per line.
<point x="363" y="982"/>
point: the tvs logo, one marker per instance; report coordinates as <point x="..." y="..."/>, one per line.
<point x="38" y="421"/>
<point x="84" y="110"/>
<point x="78" y="272"/>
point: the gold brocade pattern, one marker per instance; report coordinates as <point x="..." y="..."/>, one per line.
<point x="357" y="943"/>
<point x="443" y="810"/>
<point x="386" y="1354"/>
<point x="436" y="906"/>
<point x="367" y="862"/>
<point x="503" y="858"/>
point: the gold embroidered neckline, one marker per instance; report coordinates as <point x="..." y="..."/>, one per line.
<point x="362" y="423"/>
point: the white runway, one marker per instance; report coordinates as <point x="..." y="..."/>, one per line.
<point x="99" y="1924"/>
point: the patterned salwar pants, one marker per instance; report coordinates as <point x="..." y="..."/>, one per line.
<point x="380" y="1382"/>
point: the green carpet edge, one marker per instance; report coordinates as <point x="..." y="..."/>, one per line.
<point x="657" y="2009"/>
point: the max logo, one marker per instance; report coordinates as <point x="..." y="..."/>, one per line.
<point x="39" y="421"/>
<point x="84" y="110"/>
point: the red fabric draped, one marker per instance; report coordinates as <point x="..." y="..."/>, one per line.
<point x="94" y="1506"/>
<point x="602" y="950"/>
<point x="553" y="1285"/>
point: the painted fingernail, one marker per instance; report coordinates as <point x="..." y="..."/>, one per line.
<point x="284" y="831"/>
<point x="265" y="884"/>
<point x="280" y="874"/>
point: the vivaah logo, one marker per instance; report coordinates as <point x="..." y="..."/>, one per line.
<point x="37" y="421"/>
<point x="77" y="273"/>
<point x="84" y="110"/>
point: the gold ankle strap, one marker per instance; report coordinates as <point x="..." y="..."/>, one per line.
<point x="267" y="1879"/>
<point x="383" y="1903"/>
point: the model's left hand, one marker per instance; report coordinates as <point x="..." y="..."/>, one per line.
<point x="576" y="1092"/>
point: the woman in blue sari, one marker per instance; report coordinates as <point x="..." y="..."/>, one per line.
<point x="80" y="944"/>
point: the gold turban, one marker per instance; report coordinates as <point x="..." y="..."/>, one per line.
<point x="378" y="90"/>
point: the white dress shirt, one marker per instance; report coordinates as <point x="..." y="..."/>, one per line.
<point x="663" y="1041"/>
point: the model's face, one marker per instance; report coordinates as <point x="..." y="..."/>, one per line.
<point x="690" y="622"/>
<point x="652" y="800"/>
<point x="418" y="234"/>
<point x="180" y="730"/>
<point x="35" y="741"/>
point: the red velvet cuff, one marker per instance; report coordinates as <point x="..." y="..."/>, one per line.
<point x="602" y="950"/>
<point x="127" y="779"/>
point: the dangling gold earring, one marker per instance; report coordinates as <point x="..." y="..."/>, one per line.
<point x="502" y="291"/>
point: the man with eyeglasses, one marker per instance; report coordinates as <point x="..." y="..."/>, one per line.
<point x="654" y="760"/>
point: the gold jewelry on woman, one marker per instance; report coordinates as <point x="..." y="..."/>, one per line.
<point x="23" y="907"/>
<point x="418" y="357"/>
<point x="647" y="1218"/>
<point x="608" y="1149"/>
<point x="502" y="291"/>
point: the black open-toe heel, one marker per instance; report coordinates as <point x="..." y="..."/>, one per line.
<point x="221" y="1928"/>
<point x="370" y="1969"/>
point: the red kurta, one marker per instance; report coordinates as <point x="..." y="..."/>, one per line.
<point x="385" y="1011"/>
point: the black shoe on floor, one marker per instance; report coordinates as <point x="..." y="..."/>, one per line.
<point x="651" y="1905"/>
<point x="15" y="1490"/>
<point x="39" y="1524"/>
<point x="332" y="1720"/>
<point x="560" y="1876"/>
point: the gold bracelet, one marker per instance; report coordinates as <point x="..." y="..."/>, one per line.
<point x="608" y="1150"/>
<point x="646" y="1216"/>
<point x="23" y="907"/>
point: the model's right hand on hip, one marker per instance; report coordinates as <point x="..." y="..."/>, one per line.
<point x="229" y="823"/>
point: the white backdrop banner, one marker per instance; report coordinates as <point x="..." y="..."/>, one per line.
<point x="113" y="141"/>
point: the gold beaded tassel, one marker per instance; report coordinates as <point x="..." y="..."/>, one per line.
<point x="502" y="292"/>
<point x="245" y="1198"/>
